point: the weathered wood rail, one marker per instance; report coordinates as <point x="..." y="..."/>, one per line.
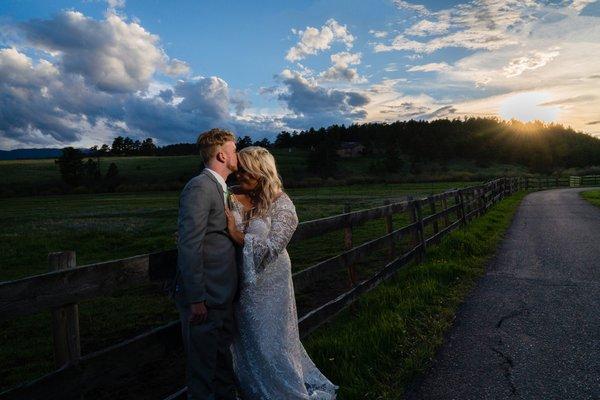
<point x="67" y="285"/>
<point x="586" y="180"/>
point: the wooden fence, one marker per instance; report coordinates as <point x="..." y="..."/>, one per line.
<point x="60" y="291"/>
<point x="587" y="180"/>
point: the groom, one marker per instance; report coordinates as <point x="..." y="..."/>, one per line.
<point x="207" y="276"/>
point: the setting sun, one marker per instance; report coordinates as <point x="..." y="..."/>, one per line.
<point x="528" y="107"/>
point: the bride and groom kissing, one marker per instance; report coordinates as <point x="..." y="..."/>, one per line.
<point x="233" y="286"/>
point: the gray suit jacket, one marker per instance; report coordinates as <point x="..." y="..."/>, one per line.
<point x="206" y="260"/>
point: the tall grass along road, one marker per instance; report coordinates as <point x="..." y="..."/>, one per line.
<point x="531" y="328"/>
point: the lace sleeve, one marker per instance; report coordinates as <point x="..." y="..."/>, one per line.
<point x="260" y="250"/>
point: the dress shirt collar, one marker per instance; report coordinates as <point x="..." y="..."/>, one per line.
<point x="219" y="179"/>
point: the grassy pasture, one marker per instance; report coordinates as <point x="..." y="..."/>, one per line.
<point x="135" y="169"/>
<point x="139" y="174"/>
<point x="109" y="226"/>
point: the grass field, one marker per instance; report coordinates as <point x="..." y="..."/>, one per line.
<point x="19" y="177"/>
<point x="111" y="226"/>
<point x="135" y="169"/>
<point x="593" y="196"/>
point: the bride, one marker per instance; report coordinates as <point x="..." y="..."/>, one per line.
<point x="269" y="359"/>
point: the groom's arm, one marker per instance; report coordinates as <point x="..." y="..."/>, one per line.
<point x="194" y="209"/>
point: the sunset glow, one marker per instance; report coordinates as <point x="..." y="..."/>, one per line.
<point x="529" y="107"/>
<point x="79" y="72"/>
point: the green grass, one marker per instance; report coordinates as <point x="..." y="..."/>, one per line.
<point x="18" y="177"/>
<point x="593" y="196"/>
<point x="111" y="226"/>
<point x="374" y="350"/>
<point x="103" y="227"/>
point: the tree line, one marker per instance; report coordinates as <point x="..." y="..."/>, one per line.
<point x="541" y="147"/>
<point x="128" y="147"/>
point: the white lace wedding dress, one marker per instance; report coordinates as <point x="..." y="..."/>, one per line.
<point x="269" y="359"/>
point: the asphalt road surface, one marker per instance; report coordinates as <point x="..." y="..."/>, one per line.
<point x="531" y="327"/>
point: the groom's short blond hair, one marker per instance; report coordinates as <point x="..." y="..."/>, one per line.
<point x="210" y="141"/>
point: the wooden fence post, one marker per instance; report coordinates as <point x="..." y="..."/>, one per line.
<point x="436" y="227"/>
<point x="481" y="201"/>
<point x="389" y="228"/>
<point x="414" y="219"/>
<point x="352" y="278"/>
<point x="420" y="229"/>
<point x="460" y="211"/>
<point x="445" y="205"/>
<point x="65" y="319"/>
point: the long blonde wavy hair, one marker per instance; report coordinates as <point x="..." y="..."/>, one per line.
<point x="260" y="163"/>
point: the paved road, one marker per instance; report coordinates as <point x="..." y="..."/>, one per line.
<point x="531" y="327"/>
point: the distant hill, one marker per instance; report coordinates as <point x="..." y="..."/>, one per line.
<point x="23" y="154"/>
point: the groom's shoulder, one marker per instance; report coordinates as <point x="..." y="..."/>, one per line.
<point x="199" y="181"/>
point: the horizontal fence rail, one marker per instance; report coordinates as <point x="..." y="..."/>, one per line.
<point x="62" y="289"/>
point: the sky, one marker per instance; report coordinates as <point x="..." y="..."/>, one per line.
<point x="79" y="73"/>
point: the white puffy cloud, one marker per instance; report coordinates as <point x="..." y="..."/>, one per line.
<point x="341" y="70"/>
<point x="206" y="96"/>
<point x="315" y="105"/>
<point x="176" y="67"/>
<point x="93" y="80"/>
<point x="112" y="54"/>
<point x="313" y="40"/>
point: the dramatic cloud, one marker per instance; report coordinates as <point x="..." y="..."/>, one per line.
<point x="98" y="81"/>
<point x="478" y="25"/>
<point x="548" y="49"/>
<point x="313" y="40"/>
<point x="208" y="97"/>
<point x="341" y="69"/>
<point x="313" y="105"/>
<point x="75" y="80"/>
<point x="114" y="55"/>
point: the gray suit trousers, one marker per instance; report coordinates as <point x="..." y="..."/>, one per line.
<point x="207" y="345"/>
